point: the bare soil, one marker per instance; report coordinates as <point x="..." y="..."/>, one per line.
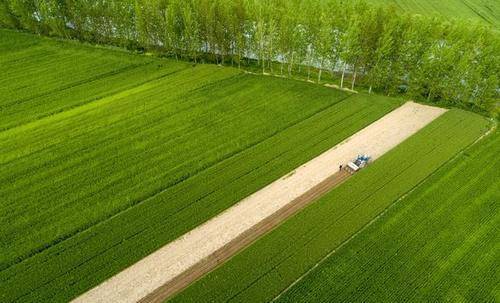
<point x="244" y="240"/>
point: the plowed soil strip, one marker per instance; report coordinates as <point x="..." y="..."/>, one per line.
<point x="245" y="239"/>
<point x="182" y="261"/>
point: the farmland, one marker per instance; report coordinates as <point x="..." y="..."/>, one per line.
<point x="267" y="267"/>
<point x="438" y="244"/>
<point x="91" y="187"/>
<point x="138" y="122"/>
<point x="33" y="84"/>
<point x="487" y="11"/>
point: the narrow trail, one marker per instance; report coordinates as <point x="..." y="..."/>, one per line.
<point x="177" y="264"/>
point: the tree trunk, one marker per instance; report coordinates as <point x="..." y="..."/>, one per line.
<point x="282" y="63"/>
<point x="370" y="90"/>
<point x="320" y="71"/>
<point x="353" y="79"/>
<point x="343" y="74"/>
<point x="271" y="58"/>
<point x="308" y="72"/>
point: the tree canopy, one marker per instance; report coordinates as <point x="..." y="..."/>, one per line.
<point x="387" y="51"/>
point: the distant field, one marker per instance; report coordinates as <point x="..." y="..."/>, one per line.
<point x="440" y="244"/>
<point x="270" y="265"/>
<point x="101" y="168"/>
<point x="487" y="11"/>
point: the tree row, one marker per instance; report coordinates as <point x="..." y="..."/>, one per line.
<point x="375" y="47"/>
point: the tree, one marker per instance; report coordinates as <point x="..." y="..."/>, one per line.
<point x="384" y="71"/>
<point x="238" y="30"/>
<point x="173" y="28"/>
<point x="324" y="44"/>
<point x="7" y="17"/>
<point x="351" y="48"/>
<point x="26" y="13"/>
<point x="191" y="32"/>
<point x="372" y="27"/>
<point x="425" y="57"/>
<point x="286" y="43"/>
<point x="484" y="69"/>
<point x="259" y="36"/>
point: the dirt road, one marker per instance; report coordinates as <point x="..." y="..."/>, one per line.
<point x="178" y="263"/>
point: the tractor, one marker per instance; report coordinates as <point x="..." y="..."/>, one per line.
<point x="359" y="163"/>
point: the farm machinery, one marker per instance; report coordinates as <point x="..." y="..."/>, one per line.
<point x="359" y="163"/>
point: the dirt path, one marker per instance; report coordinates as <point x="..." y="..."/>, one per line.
<point x="243" y="240"/>
<point x="175" y="265"/>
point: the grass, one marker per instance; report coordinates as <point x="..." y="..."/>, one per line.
<point x="267" y="267"/>
<point x="439" y="244"/>
<point x="94" y="179"/>
<point x="486" y="11"/>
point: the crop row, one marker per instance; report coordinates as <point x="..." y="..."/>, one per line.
<point x="13" y="41"/>
<point x="156" y="221"/>
<point x="467" y="10"/>
<point x="438" y="244"/>
<point x="33" y="84"/>
<point x="268" y="266"/>
<point x="91" y="190"/>
<point x="97" y="167"/>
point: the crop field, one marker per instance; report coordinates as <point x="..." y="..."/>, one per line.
<point x="41" y="77"/>
<point x="94" y="178"/>
<point x="487" y="11"/>
<point x="270" y="265"/>
<point x="125" y="125"/>
<point x="439" y="244"/>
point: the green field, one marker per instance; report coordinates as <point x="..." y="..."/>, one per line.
<point x="486" y="11"/>
<point x="101" y="168"/>
<point x="106" y="156"/>
<point x="41" y="77"/>
<point x="440" y="244"/>
<point x="270" y="265"/>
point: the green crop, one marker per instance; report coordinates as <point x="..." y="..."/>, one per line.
<point x="91" y="185"/>
<point x="487" y="11"/>
<point x="438" y="244"/>
<point x="267" y="267"/>
<point x="40" y="77"/>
